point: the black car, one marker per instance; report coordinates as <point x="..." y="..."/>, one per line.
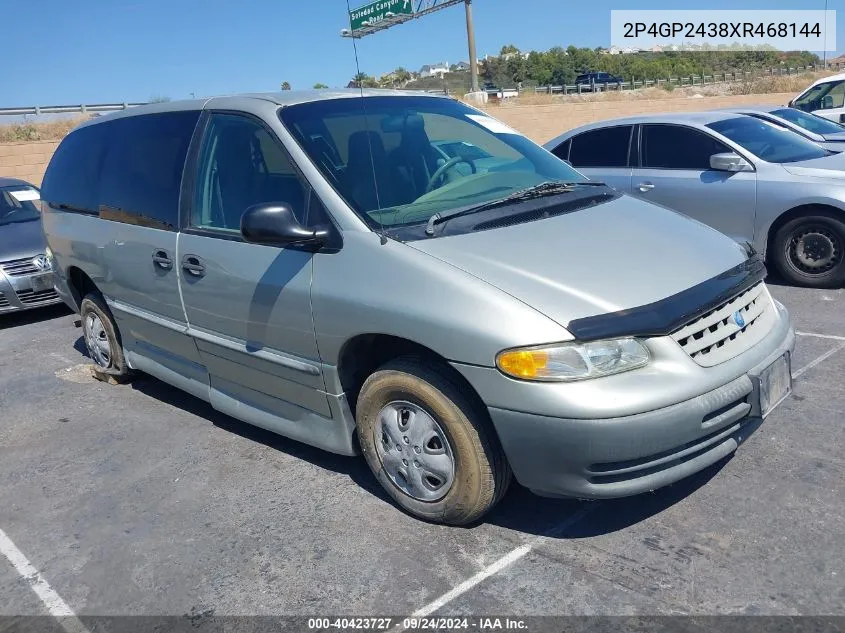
<point x="590" y="79"/>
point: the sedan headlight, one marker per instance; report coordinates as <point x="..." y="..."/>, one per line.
<point x="573" y="361"/>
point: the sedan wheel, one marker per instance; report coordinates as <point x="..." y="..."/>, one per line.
<point x="810" y="250"/>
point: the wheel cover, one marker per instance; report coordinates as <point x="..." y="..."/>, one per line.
<point x="814" y="249"/>
<point x="414" y="451"/>
<point x="97" y="340"/>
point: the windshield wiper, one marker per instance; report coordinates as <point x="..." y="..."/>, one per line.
<point x="548" y="188"/>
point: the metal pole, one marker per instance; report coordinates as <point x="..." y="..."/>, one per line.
<point x="473" y="60"/>
<point x="825" y="35"/>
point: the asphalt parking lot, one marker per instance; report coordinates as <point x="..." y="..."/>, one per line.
<point x="140" y="500"/>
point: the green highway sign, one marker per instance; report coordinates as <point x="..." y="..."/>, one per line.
<point x="375" y="12"/>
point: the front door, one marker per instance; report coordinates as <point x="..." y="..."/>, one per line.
<point x="675" y="173"/>
<point x="826" y="99"/>
<point x="248" y="306"/>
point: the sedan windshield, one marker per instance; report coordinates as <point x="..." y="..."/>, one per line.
<point x="17" y="204"/>
<point x="810" y="122"/>
<point x="766" y="141"/>
<point x="398" y="161"/>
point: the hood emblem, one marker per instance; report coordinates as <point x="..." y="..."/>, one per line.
<point x="41" y="262"/>
<point x="739" y="319"/>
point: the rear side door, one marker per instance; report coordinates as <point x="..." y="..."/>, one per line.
<point x="139" y="193"/>
<point x="601" y="154"/>
<point x="248" y="306"/>
<point x="675" y="172"/>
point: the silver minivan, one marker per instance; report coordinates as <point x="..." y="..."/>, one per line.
<point x="316" y="264"/>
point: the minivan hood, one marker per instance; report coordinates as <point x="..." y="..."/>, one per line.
<point x="21" y="239"/>
<point x="622" y="254"/>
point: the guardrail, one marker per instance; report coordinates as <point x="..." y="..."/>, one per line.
<point x="68" y="109"/>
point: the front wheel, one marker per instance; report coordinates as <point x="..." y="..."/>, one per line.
<point x="810" y="250"/>
<point x="431" y="447"/>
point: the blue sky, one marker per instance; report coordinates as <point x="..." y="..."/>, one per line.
<point x="59" y="52"/>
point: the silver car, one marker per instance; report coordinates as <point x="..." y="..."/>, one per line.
<point x="750" y="179"/>
<point x="26" y="281"/>
<point x="308" y="263"/>
<point x="821" y="131"/>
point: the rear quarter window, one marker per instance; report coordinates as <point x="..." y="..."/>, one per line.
<point x="603" y="147"/>
<point x="72" y="177"/>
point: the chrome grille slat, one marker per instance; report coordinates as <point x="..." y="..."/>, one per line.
<point x="28" y="297"/>
<point x="715" y="337"/>
<point x="17" y="267"/>
<point x="4" y="302"/>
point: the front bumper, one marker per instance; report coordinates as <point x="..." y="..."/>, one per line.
<point x="615" y="456"/>
<point x="17" y="294"/>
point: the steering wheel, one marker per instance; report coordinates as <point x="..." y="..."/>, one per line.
<point x="447" y="166"/>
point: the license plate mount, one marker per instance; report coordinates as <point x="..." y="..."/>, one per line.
<point x="40" y="283"/>
<point x="773" y="385"/>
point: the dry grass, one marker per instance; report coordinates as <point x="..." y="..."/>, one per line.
<point x="47" y="131"/>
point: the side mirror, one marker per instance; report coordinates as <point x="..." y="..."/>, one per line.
<point x="827" y="102"/>
<point x="729" y="161"/>
<point x="274" y="223"/>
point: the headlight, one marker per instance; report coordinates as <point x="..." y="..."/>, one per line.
<point x="573" y="361"/>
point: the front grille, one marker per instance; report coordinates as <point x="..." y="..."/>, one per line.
<point x="28" y="297"/>
<point x="717" y="337"/>
<point x="16" y="267"/>
<point x="4" y="302"/>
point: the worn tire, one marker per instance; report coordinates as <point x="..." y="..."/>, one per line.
<point x="833" y="225"/>
<point x="482" y="473"/>
<point x="93" y="303"/>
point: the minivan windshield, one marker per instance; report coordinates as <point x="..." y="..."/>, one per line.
<point x="398" y="160"/>
<point x="17" y="204"/>
<point x="810" y="122"/>
<point x="767" y="141"/>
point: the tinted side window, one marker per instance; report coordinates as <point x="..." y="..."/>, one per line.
<point x="72" y="178"/>
<point x="562" y="150"/>
<point x="142" y="170"/>
<point x="676" y="147"/>
<point x="605" y="147"/>
<point x="241" y="164"/>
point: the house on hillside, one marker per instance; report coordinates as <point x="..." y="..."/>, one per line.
<point x="459" y="67"/>
<point x="434" y="70"/>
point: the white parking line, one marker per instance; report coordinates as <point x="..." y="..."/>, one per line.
<point x="500" y="564"/>
<point x="832" y="337"/>
<point x="55" y="605"/>
<point x="820" y="359"/>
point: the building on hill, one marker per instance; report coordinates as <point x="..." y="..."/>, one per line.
<point x="434" y="70"/>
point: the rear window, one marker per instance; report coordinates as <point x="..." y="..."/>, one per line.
<point x="142" y="169"/>
<point x="73" y="173"/>
<point x="605" y="147"/>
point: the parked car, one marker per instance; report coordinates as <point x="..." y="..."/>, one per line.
<point x="821" y="131"/>
<point x="825" y="97"/>
<point x="313" y="271"/>
<point x="752" y="180"/>
<point x="593" y="78"/>
<point x="26" y="281"/>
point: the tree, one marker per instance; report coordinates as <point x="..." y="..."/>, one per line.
<point x="363" y="80"/>
<point x="508" y="49"/>
<point x="285" y="85"/>
<point x="319" y="86"/>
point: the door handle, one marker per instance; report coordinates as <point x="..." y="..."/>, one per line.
<point x="193" y="265"/>
<point x="162" y="259"/>
<point x="645" y="186"/>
